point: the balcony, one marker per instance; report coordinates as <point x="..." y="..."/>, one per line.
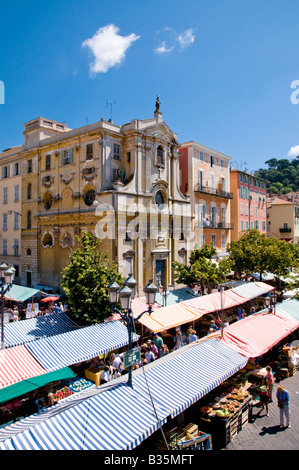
<point x="214" y="225"/>
<point x="285" y="230"/>
<point x="199" y="188"/>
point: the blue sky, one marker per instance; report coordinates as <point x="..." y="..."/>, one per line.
<point x="223" y="69"/>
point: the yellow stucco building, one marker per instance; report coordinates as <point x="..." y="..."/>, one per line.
<point x="10" y="209"/>
<point x="283" y="219"/>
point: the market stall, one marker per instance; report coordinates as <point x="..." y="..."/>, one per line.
<point x="118" y="418"/>
<point x="18" y="364"/>
<point x="253" y="336"/>
<point x="22" y="332"/>
<point x="79" y="345"/>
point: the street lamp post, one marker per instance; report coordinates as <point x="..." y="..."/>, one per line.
<point x="125" y="294"/>
<point x="7" y="274"/>
<point x="271" y="302"/>
<point x="165" y="292"/>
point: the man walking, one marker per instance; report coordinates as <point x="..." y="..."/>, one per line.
<point x="283" y="403"/>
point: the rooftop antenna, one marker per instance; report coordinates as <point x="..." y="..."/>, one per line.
<point x="110" y="104"/>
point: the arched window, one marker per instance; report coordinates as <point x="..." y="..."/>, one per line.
<point x="160" y="155"/>
<point x="47" y="240"/>
<point x="29" y="219"/>
<point x="29" y="191"/>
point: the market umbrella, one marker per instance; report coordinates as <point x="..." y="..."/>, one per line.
<point x="50" y="298"/>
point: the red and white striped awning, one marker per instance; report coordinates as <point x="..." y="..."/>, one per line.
<point x="17" y="364"/>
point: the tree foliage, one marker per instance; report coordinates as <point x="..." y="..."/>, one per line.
<point x="85" y="281"/>
<point x="254" y="252"/>
<point x="201" y="270"/>
<point x="282" y="175"/>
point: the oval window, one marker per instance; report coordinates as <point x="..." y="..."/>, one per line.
<point x="89" y="197"/>
<point x="159" y="198"/>
<point x="47" y="201"/>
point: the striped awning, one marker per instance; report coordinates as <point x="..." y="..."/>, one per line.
<point x="20" y="293"/>
<point x="215" y="302"/>
<point x="26" y="386"/>
<point x="289" y="308"/>
<point x="79" y="345"/>
<point x="119" y="418"/>
<point x="17" y="364"/>
<point x="251" y="290"/>
<point x="192" y="309"/>
<point x="177" y="383"/>
<point x="255" y="335"/>
<point x="21" y="332"/>
<point x="169" y="317"/>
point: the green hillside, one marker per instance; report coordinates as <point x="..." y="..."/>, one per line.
<point x="282" y="175"/>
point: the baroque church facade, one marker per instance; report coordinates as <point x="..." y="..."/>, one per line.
<point x="120" y="182"/>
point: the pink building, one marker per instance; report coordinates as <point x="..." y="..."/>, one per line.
<point x="205" y="177"/>
<point x="249" y="205"/>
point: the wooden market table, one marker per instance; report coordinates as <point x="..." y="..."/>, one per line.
<point x="223" y="429"/>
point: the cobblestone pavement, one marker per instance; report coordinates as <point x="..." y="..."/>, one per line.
<point x="263" y="432"/>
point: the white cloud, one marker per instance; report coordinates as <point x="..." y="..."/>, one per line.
<point x="172" y="39"/>
<point x="186" y="38"/>
<point x="294" y="151"/>
<point x="108" y="48"/>
<point x="162" y="49"/>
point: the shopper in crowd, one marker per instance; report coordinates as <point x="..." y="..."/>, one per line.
<point x="115" y="361"/>
<point x="283" y="403"/>
<point x="154" y="349"/>
<point x="143" y="359"/>
<point x="51" y="399"/>
<point x="240" y="313"/>
<point x="149" y="355"/>
<point x="251" y="311"/>
<point x="105" y="377"/>
<point x="158" y="341"/>
<point x="192" y="337"/>
<point x="163" y="350"/>
<point x="56" y="308"/>
<point x="168" y="340"/>
<point x="15" y="313"/>
<point x="269" y="381"/>
<point x="178" y="339"/>
<point x="264" y="398"/>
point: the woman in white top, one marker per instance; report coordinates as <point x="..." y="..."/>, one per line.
<point x="178" y="339"/>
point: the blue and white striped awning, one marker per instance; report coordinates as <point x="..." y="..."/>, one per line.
<point x="116" y="419"/>
<point x="21" y="332"/>
<point x="69" y="348"/>
<point x="119" y="417"/>
<point x="180" y="381"/>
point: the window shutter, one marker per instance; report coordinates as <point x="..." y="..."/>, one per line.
<point x="62" y="157"/>
<point x="71" y="151"/>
